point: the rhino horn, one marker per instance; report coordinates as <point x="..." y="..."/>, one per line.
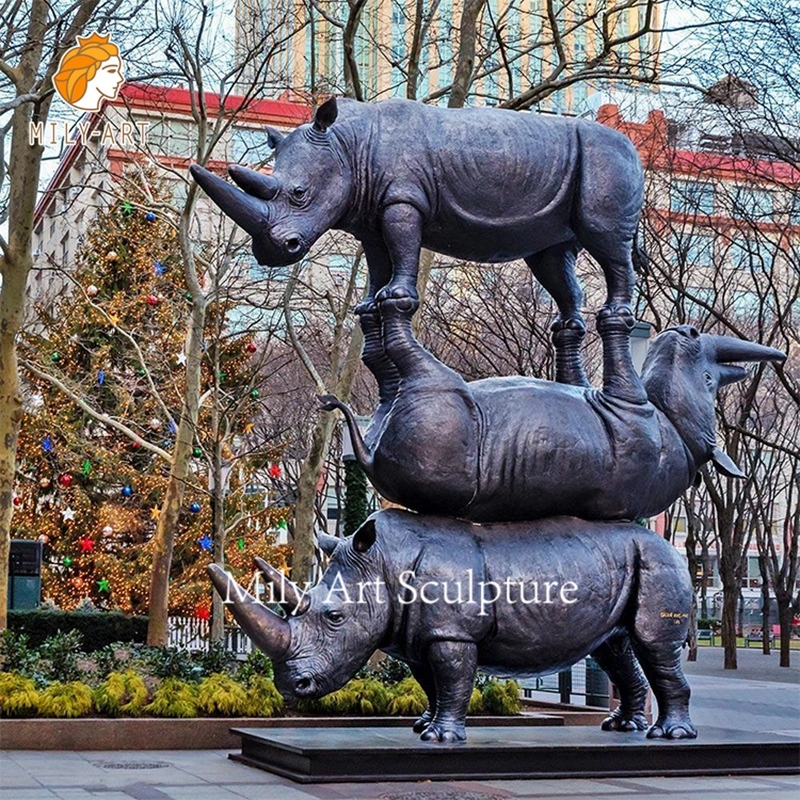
<point x="731" y="349"/>
<point x="270" y="632"/>
<point x="263" y="186"/>
<point x="243" y="209"/>
<point x="293" y="599"/>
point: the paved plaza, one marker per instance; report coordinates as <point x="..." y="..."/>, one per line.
<point x="760" y="696"/>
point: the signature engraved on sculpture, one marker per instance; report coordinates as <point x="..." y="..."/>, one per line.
<point x="479" y="184"/>
<point x="521" y="448"/>
<point x="631" y="574"/>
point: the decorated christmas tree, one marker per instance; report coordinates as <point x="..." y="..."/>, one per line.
<point x="105" y="372"/>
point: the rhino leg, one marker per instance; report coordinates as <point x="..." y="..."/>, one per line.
<point x="453" y="665"/>
<point x="401" y="226"/>
<point x="424" y="677"/>
<point x="374" y="353"/>
<point x="379" y="265"/>
<point x="554" y="268"/>
<point x="618" y="661"/>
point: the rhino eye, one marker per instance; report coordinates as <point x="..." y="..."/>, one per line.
<point x="298" y="192"/>
<point x="334" y="616"/>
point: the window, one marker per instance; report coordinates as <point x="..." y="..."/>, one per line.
<point x="750" y="254"/>
<point x="398" y="53"/>
<point x="340" y="263"/>
<point x="752" y="203"/>
<point x="692" y="197"/>
<point x="250" y="146"/>
<point x="697" y="248"/>
<point x="173" y="137"/>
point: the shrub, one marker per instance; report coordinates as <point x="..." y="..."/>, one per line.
<point x="475" y="702"/>
<point x="121" y="693"/>
<point x="502" y="698"/>
<point x="98" y="628"/>
<point x="407" y="699"/>
<point x="16" y="654"/>
<point x="73" y="699"/>
<point x="256" y="663"/>
<point x="18" y="696"/>
<point x="263" y="699"/>
<point x="62" y="652"/>
<point x="174" y="698"/>
<point x="220" y="695"/>
<point x="168" y="662"/>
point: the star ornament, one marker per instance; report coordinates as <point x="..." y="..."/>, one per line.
<point x="206" y="542"/>
<point x="155" y="512"/>
<point x="102" y="585"/>
<point x="87" y="545"/>
<point x="68" y="514"/>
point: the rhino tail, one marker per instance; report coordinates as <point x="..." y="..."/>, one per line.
<point x="641" y="261"/>
<point x="330" y="402"/>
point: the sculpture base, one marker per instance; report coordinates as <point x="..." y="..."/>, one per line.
<point x="329" y="755"/>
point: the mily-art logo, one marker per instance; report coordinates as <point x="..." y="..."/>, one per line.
<point x="90" y="73"/>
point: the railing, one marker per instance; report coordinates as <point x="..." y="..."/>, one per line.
<point x="191" y="633"/>
<point x="584" y="684"/>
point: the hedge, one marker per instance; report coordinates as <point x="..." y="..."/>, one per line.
<point x="98" y="628"/>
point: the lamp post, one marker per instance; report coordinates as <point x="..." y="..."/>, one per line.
<point x="640" y="338"/>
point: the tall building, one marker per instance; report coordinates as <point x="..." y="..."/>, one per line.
<point x="515" y="46"/>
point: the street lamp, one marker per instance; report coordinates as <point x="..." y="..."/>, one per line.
<point x="640" y="338"/>
<point x="348" y="453"/>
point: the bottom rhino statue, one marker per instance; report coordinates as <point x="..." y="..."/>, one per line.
<point x="512" y="599"/>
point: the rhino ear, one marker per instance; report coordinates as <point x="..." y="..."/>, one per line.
<point x="325" y="115"/>
<point x="725" y="465"/>
<point x="274" y="136"/>
<point x="364" y="537"/>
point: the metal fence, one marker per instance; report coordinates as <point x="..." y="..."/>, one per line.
<point x="191" y="633"/>
<point x="584" y="684"/>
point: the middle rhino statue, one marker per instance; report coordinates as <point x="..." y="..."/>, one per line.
<point x="520" y="448"/>
<point x="517" y="599"/>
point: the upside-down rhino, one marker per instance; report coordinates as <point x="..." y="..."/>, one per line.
<point x="480" y="184"/>
<point x="519" y="448"/>
<point x="516" y="599"/>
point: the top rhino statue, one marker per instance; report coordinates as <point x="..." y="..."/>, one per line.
<point x="519" y="448"/>
<point x="480" y="184"/>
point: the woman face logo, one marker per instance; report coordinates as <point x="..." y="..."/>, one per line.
<point x="89" y="73"/>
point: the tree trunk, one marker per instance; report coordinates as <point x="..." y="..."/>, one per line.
<point x="304" y="516"/>
<point x="785" y="621"/>
<point x="12" y="297"/>
<point x="730" y="602"/>
<point x="218" y="533"/>
<point x="766" y="639"/>
<point x="465" y="62"/>
<point x="692" y="654"/>
<point x="164" y="539"/>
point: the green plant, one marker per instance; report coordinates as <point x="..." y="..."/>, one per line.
<point x="98" y="628"/>
<point x="109" y="659"/>
<point x="256" y="663"/>
<point x="121" y="693"/>
<point x="215" y="660"/>
<point x="62" y="651"/>
<point x="18" y="696"/>
<point x="169" y="662"/>
<point x="73" y="699"/>
<point x="389" y="671"/>
<point x="263" y="699"/>
<point x="16" y="654"/>
<point x="502" y="698"/>
<point x="407" y="699"/>
<point x="174" y="698"/>
<point x="220" y="695"/>
<point x="475" y="705"/>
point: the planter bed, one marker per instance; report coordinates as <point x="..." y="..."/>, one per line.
<point x="199" y="733"/>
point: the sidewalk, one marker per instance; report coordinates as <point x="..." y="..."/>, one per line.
<point x="209" y="775"/>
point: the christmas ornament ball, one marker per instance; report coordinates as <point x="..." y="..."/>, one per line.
<point x="155" y="424"/>
<point x="251" y="347"/>
<point x="92" y="290"/>
<point x="65" y="480"/>
<point x="195" y="508"/>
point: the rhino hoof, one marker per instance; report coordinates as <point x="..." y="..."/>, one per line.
<point x="422" y="723"/>
<point x="626" y="724"/>
<point x="672" y="730"/>
<point x="366" y="307"/>
<point x="613" y="317"/>
<point x="436" y="732"/>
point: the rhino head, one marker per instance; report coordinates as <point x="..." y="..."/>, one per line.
<point x="682" y="373"/>
<point x="328" y="633"/>
<point x="306" y="194"/>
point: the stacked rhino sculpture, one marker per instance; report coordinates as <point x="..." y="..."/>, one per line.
<point x="553" y="472"/>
